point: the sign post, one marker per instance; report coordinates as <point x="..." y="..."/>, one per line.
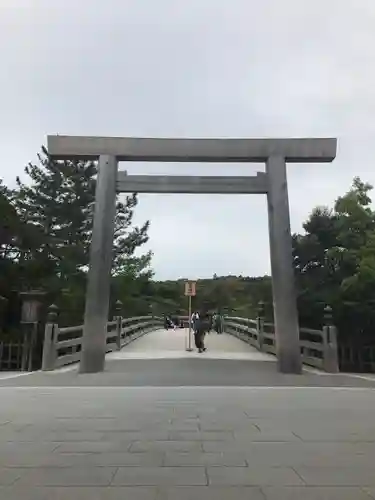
<point x="190" y="291"/>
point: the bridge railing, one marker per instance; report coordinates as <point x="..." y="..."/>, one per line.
<point x="62" y="346"/>
<point x="318" y="347"/>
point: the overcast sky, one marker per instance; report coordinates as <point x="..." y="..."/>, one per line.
<point x="195" y="68"/>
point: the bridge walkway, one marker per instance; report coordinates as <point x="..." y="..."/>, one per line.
<point x="173" y="344"/>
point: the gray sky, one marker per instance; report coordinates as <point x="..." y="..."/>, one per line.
<point x="199" y="68"/>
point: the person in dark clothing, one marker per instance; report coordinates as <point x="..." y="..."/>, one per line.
<point x="218" y="323"/>
<point x="202" y="326"/>
<point x="193" y="320"/>
<point x="167" y="322"/>
<point x="210" y="323"/>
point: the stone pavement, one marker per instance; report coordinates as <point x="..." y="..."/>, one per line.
<point x="120" y="435"/>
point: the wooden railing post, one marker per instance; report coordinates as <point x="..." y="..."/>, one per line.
<point x="260" y="325"/>
<point x="50" y="334"/>
<point x="330" y="353"/>
<point x="118" y="318"/>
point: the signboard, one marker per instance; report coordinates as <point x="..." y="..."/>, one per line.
<point x="190" y="289"/>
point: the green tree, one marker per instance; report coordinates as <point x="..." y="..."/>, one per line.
<point x="314" y="272"/>
<point x="8" y="232"/>
<point x="334" y="264"/>
<point x="230" y="294"/>
<point x="58" y="200"/>
<point x="357" y="263"/>
<point x="17" y="239"/>
<point x="126" y="241"/>
<point x="9" y="219"/>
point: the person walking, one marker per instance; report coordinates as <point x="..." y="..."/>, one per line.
<point x="218" y="323"/>
<point x="193" y="320"/>
<point x="202" y="327"/>
<point x="167" y="322"/>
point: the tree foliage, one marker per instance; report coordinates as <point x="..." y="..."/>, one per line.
<point x="47" y="226"/>
<point x="335" y="264"/>
<point x="235" y="295"/>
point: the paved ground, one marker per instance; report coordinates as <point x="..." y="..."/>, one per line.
<point x="105" y="437"/>
<point x="185" y="373"/>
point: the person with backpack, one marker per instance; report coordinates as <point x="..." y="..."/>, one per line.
<point x="203" y="325"/>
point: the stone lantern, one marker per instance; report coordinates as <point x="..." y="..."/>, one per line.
<point x="32" y="300"/>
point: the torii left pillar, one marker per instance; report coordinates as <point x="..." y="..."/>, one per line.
<point x="98" y="285"/>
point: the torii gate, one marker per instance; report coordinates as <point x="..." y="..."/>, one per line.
<point x="275" y="153"/>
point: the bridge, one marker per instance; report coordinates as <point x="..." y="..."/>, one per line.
<point x="161" y="422"/>
<point x="63" y="346"/>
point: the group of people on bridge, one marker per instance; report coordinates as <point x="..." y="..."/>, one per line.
<point x="201" y="322"/>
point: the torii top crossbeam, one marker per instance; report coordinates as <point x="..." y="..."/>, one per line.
<point x="299" y="150"/>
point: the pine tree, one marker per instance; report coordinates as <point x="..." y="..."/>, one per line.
<point x="17" y="239"/>
<point x="8" y="216"/>
<point x="8" y="223"/>
<point x="59" y="202"/>
<point x="126" y="243"/>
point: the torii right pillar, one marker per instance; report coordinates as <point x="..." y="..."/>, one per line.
<point x="281" y="252"/>
<point x="283" y="281"/>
